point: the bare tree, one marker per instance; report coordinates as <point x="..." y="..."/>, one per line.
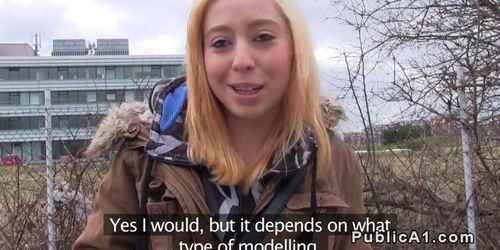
<point x="425" y="42"/>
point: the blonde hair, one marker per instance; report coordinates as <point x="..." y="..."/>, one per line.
<point x="208" y="136"/>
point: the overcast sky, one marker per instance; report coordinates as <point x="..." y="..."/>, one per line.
<point x="151" y="26"/>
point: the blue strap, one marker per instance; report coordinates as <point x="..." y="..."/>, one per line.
<point x="172" y="107"/>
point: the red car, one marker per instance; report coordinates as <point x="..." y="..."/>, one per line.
<point x="11" y="160"/>
<point x="66" y="159"/>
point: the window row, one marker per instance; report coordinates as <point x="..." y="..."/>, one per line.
<point x="58" y="122"/>
<point x="72" y="97"/>
<point x="89" y="73"/>
<point x="21" y="98"/>
<point x="35" y="150"/>
<point x="99" y="96"/>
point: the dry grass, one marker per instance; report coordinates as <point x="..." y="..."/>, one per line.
<point x="425" y="188"/>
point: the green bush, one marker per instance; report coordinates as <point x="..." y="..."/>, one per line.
<point x="402" y="133"/>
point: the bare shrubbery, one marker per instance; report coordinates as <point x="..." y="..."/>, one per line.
<point x="23" y="200"/>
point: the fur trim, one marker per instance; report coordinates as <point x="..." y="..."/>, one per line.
<point x="332" y="113"/>
<point x="113" y="127"/>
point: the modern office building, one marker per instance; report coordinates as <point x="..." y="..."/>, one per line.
<point x="79" y="86"/>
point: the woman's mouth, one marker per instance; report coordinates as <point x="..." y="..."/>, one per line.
<point x="247" y="90"/>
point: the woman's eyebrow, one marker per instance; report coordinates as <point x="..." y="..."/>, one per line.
<point x="218" y="28"/>
<point x="263" y="22"/>
<point x="254" y="24"/>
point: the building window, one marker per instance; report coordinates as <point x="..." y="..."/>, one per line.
<point x="14" y="98"/>
<point x="42" y="74"/>
<point x="110" y="97"/>
<point x="4" y="123"/>
<point x="53" y="75"/>
<point x="30" y="98"/>
<point x="74" y="121"/>
<point x="39" y="74"/>
<point x="24" y="74"/>
<point x="35" y="98"/>
<point x="129" y="95"/>
<point x="33" y="74"/>
<point x="62" y="73"/>
<point x="146" y="71"/>
<point x="63" y="122"/>
<point x="128" y="72"/>
<point x="82" y="97"/>
<point x="119" y="71"/>
<point x="37" y="122"/>
<point x="91" y="97"/>
<point x="63" y="97"/>
<point x="101" y="71"/>
<point x="4" y="99"/>
<point x="170" y="71"/>
<point x="73" y="73"/>
<point x="82" y="73"/>
<point x="15" y="122"/>
<point x="72" y="97"/>
<point x="137" y="72"/>
<point x="155" y="71"/>
<point x="4" y="74"/>
<point x="110" y="72"/>
<point x="14" y="74"/>
<point x="36" y="150"/>
<point x="25" y="98"/>
<point x="92" y="73"/>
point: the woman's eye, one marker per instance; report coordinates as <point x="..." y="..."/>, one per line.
<point x="221" y="43"/>
<point x="264" y="38"/>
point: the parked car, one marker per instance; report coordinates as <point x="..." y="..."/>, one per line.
<point x="66" y="159"/>
<point x="11" y="160"/>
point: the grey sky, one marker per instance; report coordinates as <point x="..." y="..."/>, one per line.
<point x="152" y="27"/>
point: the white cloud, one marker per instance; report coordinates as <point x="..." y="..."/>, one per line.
<point x="23" y="3"/>
<point x="163" y="44"/>
<point x="92" y="18"/>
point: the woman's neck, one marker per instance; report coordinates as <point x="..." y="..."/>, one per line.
<point x="248" y="136"/>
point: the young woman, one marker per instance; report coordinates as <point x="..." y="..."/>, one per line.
<point x="245" y="134"/>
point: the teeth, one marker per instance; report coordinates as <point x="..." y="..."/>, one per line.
<point x="246" y="89"/>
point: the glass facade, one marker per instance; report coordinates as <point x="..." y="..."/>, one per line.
<point x="89" y="73"/>
<point x="99" y="96"/>
<point x="27" y="151"/>
<point x="58" y="122"/>
<point x="35" y="150"/>
<point x="22" y="110"/>
<point x="21" y="98"/>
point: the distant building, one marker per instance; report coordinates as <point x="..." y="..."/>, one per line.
<point x="69" y="47"/>
<point x="441" y="126"/>
<point x="81" y="88"/>
<point x="111" y="47"/>
<point x="360" y="139"/>
<point x="16" y="49"/>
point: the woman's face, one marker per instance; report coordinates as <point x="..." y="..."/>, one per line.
<point x="248" y="55"/>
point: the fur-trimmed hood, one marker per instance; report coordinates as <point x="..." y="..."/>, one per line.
<point x="113" y="128"/>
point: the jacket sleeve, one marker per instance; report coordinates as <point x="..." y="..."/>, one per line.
<point x="351" y="183"/>
<point x="117" y="194"/>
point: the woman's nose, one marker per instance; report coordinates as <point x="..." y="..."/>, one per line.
<point x="243" y="59"/>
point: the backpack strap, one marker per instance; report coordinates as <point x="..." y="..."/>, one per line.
<point x="142" y="242"/>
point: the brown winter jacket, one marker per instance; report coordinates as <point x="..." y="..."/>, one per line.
<point x="176" y="190"/>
